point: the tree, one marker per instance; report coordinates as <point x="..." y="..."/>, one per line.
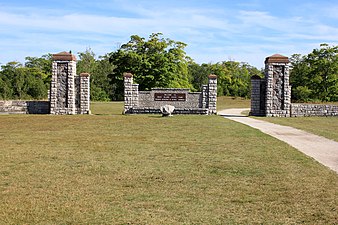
<point x="86" y="62"/>
<point x="198" y="74"/>
<point x="156" y="62"/>
<point x="299" y="79"/>
<point x="324" y="72"/>
<point x="99" y="71"/>
<point x="102" y="90"/>
<point x="43" y="64"/>
<point x="19" y="82"/>
<point x="233" y="78"/>
<point x="6" y="91"/>
<point x="315" y="76"/>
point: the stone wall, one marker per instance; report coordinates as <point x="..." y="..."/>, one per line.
<point x="24" y="107"/>
<point x="298" y="110"/>
<point x="192" y="99"/>
<point x="185" y="102"/>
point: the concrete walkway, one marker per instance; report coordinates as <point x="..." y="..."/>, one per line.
<point x="321" y="149"/>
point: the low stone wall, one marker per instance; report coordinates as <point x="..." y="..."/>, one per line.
<point x="177" y="111"/>
<point x="24" y="107"/>
<point x="185" y="102"/>
<point x="188" y="99"/>
<point x="313" y="110"/>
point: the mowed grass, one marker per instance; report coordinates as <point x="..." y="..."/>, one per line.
<point x="323" y="126"/>
<point x="145" y="169"/>
<point x="107" y="108"/>
<point x="228" y="102"/>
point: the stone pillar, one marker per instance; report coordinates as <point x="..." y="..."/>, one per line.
<point x="53" y="89"/>
<point x="71" y="87"/>
<point x="135" y="95"/>
<point x="212" y="94"/>
<point x="257" y="96"/>
<point x="278" y="90"/>
<point x="130" y="93"/>
<point x="204" y="96"/>
<point x="84" y="93"/>
<point x="62" y="90"/>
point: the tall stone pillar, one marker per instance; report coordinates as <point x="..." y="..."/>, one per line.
<point x="84" y="93"/>
<point x="212" y="94"/>
<point x="62" y="90"/>
<point x="278" y="89"/>
<point x="257" y="96"/>
<point x="130" y="93"/>
<point x="205" y="100"/>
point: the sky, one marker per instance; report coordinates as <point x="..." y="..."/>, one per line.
<point x="214" y="30"/>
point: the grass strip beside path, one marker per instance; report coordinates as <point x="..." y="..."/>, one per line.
<point x="322" y="126"/>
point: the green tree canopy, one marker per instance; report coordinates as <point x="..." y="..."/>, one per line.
<point x="156" y="62"/>
<point x="233" y="78"/>
<point x="100" y="71"/>
<point x="19" y="82"/>
<point x="314" y="77"/>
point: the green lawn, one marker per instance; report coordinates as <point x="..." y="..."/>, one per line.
<point x="106" y="108"/>
<point x="227" y="102"/>
<point x="146" y="169"/>
<point x="323" y="126"/>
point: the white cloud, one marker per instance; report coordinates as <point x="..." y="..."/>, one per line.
<point x="212" y="34"/>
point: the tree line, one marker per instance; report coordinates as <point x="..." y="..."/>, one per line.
<point x="162" y="62"/>
<point x="314" y="77"/>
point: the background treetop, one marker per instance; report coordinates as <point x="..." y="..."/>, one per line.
<point x="156" y="62"/>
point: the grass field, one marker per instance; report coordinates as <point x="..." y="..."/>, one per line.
<point x="323" y="126"/>
<point x="144" y="169"/>
<point x="226" y="102"/>
<point x="107" y="108"/>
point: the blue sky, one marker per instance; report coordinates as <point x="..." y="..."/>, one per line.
<point x="214" y="30"/>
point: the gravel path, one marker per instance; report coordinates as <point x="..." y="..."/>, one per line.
<point x="321" y="149"/>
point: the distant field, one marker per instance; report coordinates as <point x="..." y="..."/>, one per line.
<point x="227" y="102"/>
<point x="106" y="108"/>
<point x="144" y="169"/>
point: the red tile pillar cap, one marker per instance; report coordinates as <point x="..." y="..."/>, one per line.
<point x="64" y="56"/>
<point x="277" y="58"/>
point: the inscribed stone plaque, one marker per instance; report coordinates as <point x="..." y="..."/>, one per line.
<point x="169" y="96"/>
<point x="278" y="87"/>
<point x="62" y="85"/>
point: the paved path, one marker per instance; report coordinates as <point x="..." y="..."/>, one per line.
<point x="321" y="149"/>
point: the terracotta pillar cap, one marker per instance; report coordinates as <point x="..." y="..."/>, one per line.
<point x="128" y="75"/>
<point x="63" y="56"/>
<point x="84" y="74"/>
<point x="277" y="58"/>
<point x="212" y="76"/>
